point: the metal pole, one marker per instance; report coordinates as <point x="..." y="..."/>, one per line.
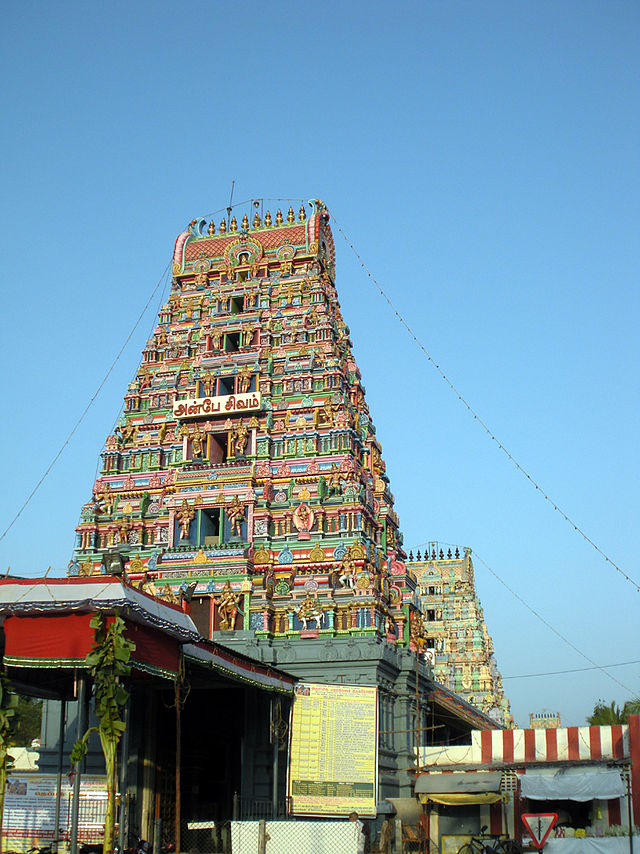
<point x="628" y="776"/>
<point x="417" y="709"/>
<point x="178" y="761"/>
<point x="82" y="725"/>
<point x="56" y="830"/>
<point x="157" y="835"/>
<point x="274" y="740"/>
<point x="124" y="763"/>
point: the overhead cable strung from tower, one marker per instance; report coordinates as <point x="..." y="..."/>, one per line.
<point x="549" y="626"/>
<point x="87" y="407"/>
<point x="477" y="418"/>
<point x="572" y="670"/>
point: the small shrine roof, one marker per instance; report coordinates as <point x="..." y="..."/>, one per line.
<point x="453" y="703"/>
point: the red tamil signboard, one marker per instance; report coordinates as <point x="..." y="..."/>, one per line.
<point x="539" y="825"/>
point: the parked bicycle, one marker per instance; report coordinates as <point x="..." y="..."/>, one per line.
<point x="490" y="843"/>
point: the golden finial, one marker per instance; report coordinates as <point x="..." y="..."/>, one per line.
<point x="212" y="228"/>
<point x="267" y="219"/>
<point x="256" y="220"/>
<point x="290" y="215"/>
<point x="302" y="215"/>
<point x="279" y="217"/>
<point x="234" y="224"/>
<point x="245" y="222"/>
<point x="223" y="226"/>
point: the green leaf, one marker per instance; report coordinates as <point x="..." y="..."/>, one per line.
<point x="122" y="695"/>
<point x="79" y="750"/>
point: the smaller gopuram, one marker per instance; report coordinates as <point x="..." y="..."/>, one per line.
<point x="457" y="640"/>
<point x="545" y="720"/>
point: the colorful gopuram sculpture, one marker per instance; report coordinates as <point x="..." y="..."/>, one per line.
<point x="246" y="459"/>
<point x="457" y="641"/>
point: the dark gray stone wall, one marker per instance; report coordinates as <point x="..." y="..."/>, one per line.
<point x="357" y="661"/>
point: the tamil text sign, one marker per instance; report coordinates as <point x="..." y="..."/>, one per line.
<point x="334" y="745"/>
<point x="209" y="407"/>
<point x="30" y="810"/>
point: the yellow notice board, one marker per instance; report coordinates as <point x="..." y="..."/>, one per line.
<point x="333" y="765"/>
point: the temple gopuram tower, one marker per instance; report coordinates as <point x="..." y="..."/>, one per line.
<point x="457" y="641"/>
<point x="245" y="473"/>
<point x="246" y="452"/>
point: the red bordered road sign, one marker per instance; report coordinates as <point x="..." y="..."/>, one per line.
<point x="539" y="825"/>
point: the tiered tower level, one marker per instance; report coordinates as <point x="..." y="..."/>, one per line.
<point x="245" y="467"/>
<point x="458" y="643"/>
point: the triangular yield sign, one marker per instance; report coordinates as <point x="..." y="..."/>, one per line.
<point x="539" y="825"/>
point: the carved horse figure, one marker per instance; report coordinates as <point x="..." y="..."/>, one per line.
<point x="310" y="611"/>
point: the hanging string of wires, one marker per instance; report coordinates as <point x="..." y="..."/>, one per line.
<point x="435" y="546"/>
<point x="87" y="407"/>
<point x="154" y="319"/>
<point x="550" y="627"/>
<point x="477" y="418"/>
<point x="249" y="202"/>
<point x="572" y="670"/>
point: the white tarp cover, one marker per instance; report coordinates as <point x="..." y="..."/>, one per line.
<point x="310" y="837"/>
<point x="587" y="785"/>
<point x="592" y="845"/>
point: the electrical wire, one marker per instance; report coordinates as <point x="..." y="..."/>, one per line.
<point x="248" y="202"/>
<point x="552" y="628"/>
<point x="154" y="320"/>
<point x="526" y="675"/>
<point x="477" y="418"/>
<point x="86" y="409"/>
<point x="572" y="670"/>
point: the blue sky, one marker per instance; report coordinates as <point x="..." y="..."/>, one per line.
<point x="483" y="160"/>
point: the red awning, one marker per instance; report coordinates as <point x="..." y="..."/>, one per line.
<point x="63" y="640"/>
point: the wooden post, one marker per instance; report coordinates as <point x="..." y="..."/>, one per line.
<point x="263" y="837"/>
<point x="397" y="837"/>
<point x="149" y="767"/>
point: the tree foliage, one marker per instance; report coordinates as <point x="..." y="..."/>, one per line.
<point x="27" y="721"/>
<point x="107" y="663"/>
<point x="606" y="715"/>
<point x="631" y="707"/>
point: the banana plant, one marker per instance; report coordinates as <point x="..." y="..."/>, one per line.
<point x="107" y="663"/>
